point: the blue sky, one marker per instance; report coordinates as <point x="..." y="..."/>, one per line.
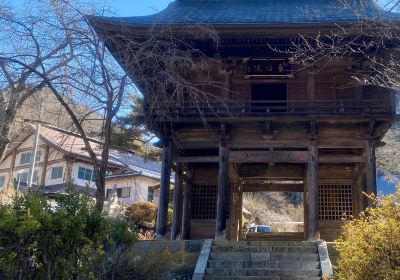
<point x="133" y="7"/>
<point x="138" y="7"/>
<point x="147" y="7"/>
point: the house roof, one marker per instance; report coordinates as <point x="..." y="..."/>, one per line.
<point x="137" y="165"/>
<point x="72" y="144"/>
<point x="258" y="12"/>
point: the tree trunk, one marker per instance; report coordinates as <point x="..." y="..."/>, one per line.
<point x="5" y="127"/>
<point x="100" y="195"/>
<point x="47" y="272"/>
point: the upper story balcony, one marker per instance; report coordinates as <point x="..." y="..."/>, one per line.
<point x="262" y="108"/>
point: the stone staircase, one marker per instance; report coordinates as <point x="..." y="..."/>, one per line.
<point x="263" y="260"/>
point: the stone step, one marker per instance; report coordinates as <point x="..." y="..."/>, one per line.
<point x="263" y="264"/>
<point x="265" y="243"/>
<point x="212" y="277"/>
<point x="263" y="256"/>
<point x="273" y="249"/>
<point x="262" y="272"/>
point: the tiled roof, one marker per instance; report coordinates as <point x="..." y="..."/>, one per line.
<point x="259" y="12"/>
<point x="137" y="164"/>
<point x="72" y="143"/>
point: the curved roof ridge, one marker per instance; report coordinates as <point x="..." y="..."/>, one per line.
<point x="260" y="12"/>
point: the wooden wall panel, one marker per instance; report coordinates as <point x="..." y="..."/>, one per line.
<point x="325" y="91"/>
<point x="297" y="91"/>
<point x="241" y="92"/>
<point x="202" y="229"/>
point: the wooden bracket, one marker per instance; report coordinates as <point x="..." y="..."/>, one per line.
<point x="371" y="130"/>
<point x="312" y="133"/>
<point x="268" y="133"/>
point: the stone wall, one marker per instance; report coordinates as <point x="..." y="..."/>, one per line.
<point x="168" y="259"/>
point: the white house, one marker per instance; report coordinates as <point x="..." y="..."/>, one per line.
<point x="62" y="158"/>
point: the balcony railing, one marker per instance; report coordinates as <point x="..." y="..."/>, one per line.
<point x="277" y="107"/>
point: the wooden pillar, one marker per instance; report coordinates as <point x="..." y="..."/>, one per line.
<point x="234" y="212"/>
<point x="240" y="211"/>
<point x="222" y="191"/>
<point x="370" y="169"/>
<point x="312" y="230"/>
<point x="311" y="85"/>
<point x="187" y="208"/>
<point x="162" y="215"/>
<point x="177" y="207"/>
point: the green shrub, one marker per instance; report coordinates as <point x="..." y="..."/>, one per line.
<point x="69" y="241"/>
<point x="370" y="245"/>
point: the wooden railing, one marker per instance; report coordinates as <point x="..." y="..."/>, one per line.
<point x="270" y="107"/>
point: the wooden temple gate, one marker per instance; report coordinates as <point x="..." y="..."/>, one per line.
<point x="263" y="116"/>
<point x="329" y="191"/>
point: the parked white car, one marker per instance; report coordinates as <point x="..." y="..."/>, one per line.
<point x="259" y="229"/>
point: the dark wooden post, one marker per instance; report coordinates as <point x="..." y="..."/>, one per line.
<point x="187" y="211"/>
<point x="162" y="215"/>
<point x="370" y="171"/>
<point x="312" y="230"/>
<point x="177" y="207"/>
<point x="222" y="191"/>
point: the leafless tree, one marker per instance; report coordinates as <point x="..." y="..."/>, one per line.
<point x="169" y="66"/>
<point x="22" y="32"/>
<point x="55" y="47"/>
<point x="372" y="44"/>
<point x="166" y="64"/>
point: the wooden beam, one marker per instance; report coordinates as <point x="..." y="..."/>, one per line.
<point x="312" y="230"/>
<point x="259" y="144"/>
<point x="337" y="158"/>
<point x="222" y="192"/>
<point x="272" y="156"/>
<point x="272" y="172"/>
<point x="198" y="159"/>
<point x="177" y="205"/>
<point x="273" y="187"/>
<point x="162" y="215"/>
<point x="341" y="143"/>
<point x="268" y="156"/>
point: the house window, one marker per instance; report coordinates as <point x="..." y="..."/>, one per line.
<point x="86" y="174"/>
<point x="124" y="192"/>
<point x="57" y="172"/>
<point x="121" y="192"/>
<point x="150" y="194"/>
<point x="23" y="177"/>
<point x="26" y="157"/>
<point x="2" y="181"/>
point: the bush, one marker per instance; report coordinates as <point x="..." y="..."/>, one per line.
<point x="142" y="213"/>
<point x="370" y="245"/>
<point x="69" y="241"/>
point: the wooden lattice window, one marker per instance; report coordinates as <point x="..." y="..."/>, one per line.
<point x="335" y="201"/>
<point x="204" y="202"/>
